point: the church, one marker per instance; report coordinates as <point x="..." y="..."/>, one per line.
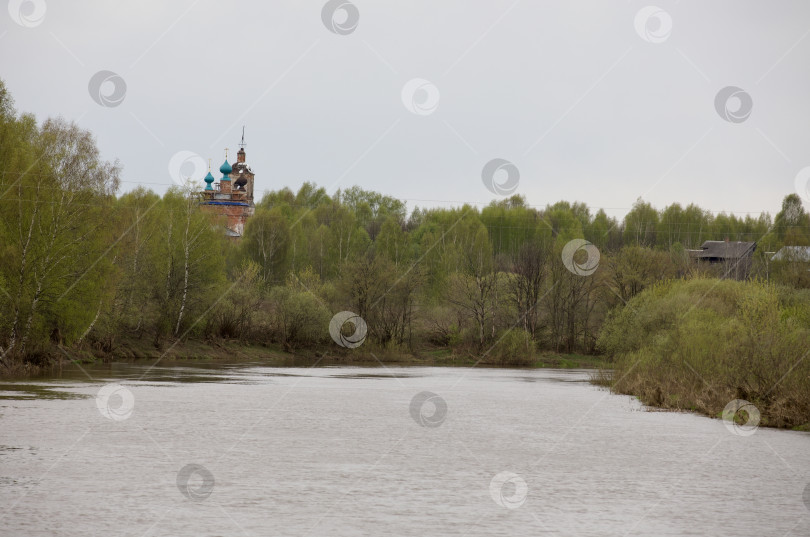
<point x="231" y="197"/>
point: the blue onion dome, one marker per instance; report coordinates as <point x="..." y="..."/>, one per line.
<point x="208" y="180"/>
<point x="225" y="169"/>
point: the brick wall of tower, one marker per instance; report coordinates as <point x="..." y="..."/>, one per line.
<point x="234" y="216"/>
<point x="237" y="217"/>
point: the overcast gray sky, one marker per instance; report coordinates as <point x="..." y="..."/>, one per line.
<point x="601" y="102"/>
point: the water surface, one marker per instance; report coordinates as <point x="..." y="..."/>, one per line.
<point x="339" y="451"/>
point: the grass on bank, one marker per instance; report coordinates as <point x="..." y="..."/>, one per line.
<point x="233" y="351"/>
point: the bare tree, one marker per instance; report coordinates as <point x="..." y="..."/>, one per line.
<point x="526" y="286"/>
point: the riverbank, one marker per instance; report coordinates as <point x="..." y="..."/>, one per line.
<point x="137" y="350"/>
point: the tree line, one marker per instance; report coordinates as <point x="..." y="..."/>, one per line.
<point x="85" y="267"/>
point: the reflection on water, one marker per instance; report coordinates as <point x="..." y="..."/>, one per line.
<point x="370" y="376"/>
<point x="257" y="449"/>
<point x="35" y="391"/>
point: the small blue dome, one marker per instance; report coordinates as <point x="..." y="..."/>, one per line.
<point x="225" y="169"/>
<point x="208" y="180"/>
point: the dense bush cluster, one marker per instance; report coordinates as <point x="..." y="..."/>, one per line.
<point x="700" y="343"/>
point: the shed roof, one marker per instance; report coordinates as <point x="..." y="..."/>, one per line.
<point x="724" y="249"/>
<point x="792" y="253"/>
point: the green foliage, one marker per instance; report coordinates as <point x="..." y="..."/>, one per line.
<point x="513" y="347"/>
<point x="298" y="317"/>
<point x="792" y="222"/>
<point x="56" y="199"/>
<point x="266" y="242"/>
<point x="701" y="343"/>
<point x="634" y="268"/>
<point x="640" y="225"/>
<point x="238" y="315"/>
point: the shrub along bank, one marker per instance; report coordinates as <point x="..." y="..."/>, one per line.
<point x="698" y="344"/>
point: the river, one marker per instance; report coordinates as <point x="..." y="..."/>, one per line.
<point x="244" y="449"/>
